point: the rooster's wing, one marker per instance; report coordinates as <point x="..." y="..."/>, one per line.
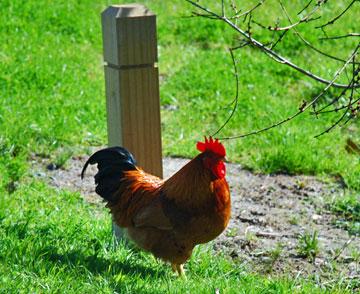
<point x="152" y="216"/>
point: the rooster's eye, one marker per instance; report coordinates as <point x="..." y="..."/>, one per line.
<point x="217" y="167"/>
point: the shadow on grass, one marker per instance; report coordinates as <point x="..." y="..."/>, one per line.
<point x="98" y="265"/>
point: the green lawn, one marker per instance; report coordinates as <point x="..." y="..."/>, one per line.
<point x="52" y="104"/>
<point x="53" y="241"/>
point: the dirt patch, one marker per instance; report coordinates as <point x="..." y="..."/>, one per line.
<point x="269" y="214"/>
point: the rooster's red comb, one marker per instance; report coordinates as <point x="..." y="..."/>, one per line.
<point x="211" y="145"/>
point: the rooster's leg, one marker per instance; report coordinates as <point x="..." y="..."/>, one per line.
<point x="179" y="269"/>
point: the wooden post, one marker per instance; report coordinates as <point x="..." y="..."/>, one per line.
<point x="132" y="84"/>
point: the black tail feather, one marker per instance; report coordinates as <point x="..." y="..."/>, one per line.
<point x="111" y="163"/>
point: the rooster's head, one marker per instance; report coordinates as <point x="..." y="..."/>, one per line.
<point x="213" y="156"/>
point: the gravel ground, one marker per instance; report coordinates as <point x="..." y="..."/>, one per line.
<point x="269" y="213"/>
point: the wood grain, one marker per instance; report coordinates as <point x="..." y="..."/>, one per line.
<point x="132" y="83"/>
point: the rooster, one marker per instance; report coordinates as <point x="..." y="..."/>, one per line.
<point x="166" y="217"/>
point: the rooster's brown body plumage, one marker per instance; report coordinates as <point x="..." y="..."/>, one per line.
<point x="165" y="217"/>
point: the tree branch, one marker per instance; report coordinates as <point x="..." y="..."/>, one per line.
<point x="304" y="40"/>
<point x="265" y="49"/>
<point x="306" y="18"/>
<point x="347" y="109"/>
<point x="337" y="17"/>
<point x="306" y="6"/>
<point x="239" y="14"/>
<point x="340" y="37"/>
<point x="304" y="107"/>
<point x="236" y="74"/>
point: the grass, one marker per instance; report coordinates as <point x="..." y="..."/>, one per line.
<point x="54" y="241"/>
<point x="52" y="105"/>
<point x="347" y="209"/>
<point x="308" y="245"/>
<point x="273" y="256"/>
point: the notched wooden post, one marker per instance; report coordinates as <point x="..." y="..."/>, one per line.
<point x="132" y="84"/>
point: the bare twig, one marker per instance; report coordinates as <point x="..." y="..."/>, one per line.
<point x="340" y="37"/>
<point x="343" y="92"/>
<point x="269" y="235"/>
<point x="245" y="13"/>
<point x="338" y="16"/>
<point x="306" y="6"/>
<point x="301" y="109"/>
<point x="306" y="18"/>
<point x="318" y="50"/>
<point x="334" y="124"/>
<point x="272" y="44"/>
<point x="196" y="14"/>
<point x="304" y="40"/>
<point x="347" y="109"/>
<point x="345" y="245"/>
<point x="267" y="50"/>
<point x="236" y="93"/>
<point x="278" y="40"/>
<point x="236" y="76"/>
<point x="291" y="26"/>
<point x="338" y="108"/>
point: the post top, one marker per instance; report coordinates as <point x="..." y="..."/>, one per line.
<point x="128" y="10"/>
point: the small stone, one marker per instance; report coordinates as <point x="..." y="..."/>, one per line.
<point x="316" y="217"/>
